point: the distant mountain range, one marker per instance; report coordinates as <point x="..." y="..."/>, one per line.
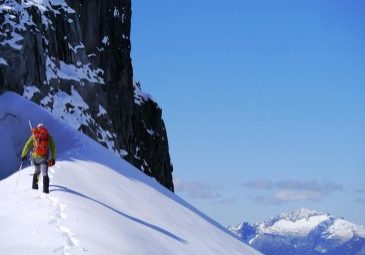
<point x="303" y="232"/>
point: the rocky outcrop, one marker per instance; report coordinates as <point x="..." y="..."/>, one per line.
<point x="73" y="58"/>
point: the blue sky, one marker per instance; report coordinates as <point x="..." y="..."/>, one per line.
<point x="263" y="102"/>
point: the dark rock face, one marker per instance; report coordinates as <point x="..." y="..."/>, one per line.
<point x="73" y="58"/>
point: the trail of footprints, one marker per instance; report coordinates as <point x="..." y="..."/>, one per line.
<point x="71" y="242"/>
<point x="56" y="218"/>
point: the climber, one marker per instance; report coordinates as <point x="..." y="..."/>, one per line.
<point x="42" y="144"/>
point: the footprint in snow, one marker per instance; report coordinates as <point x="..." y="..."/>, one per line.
<point x="56" y="219"/>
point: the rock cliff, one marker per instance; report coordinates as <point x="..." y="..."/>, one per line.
<point x="73" y="58"/>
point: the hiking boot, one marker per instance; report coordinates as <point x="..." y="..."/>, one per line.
<point x="35" y="181"/>
<point x="45" y="184"/>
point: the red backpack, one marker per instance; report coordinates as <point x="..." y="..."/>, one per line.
<point x="41" y="136"/>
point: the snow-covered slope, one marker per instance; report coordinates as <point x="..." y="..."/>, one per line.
<point x="99" y="203"/>
<point x="304" y="231"/>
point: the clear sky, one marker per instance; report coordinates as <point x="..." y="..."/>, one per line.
<point x="264" y="102"/>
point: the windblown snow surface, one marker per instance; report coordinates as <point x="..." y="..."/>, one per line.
<point x="99" y="203"/>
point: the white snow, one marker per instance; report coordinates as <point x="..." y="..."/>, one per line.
<point x="11" y="9"/>
<point x="115" y="12"/>
<point x="29" y="91"/>
<point x="296" y="223"/>
<point x="139" y="96"/>
<point x="72" y="72"/>
<point x="13" y="41"/>
<point x="100" y="49"/>
<point x="3" y="61"/>
<point x="45" y="40"/>
<point x="344" y="230"/>
<point x="299" y="227"/>
<point x="99" y="203"/>
<point x="76" y="115"/>
<point x="46" y="21"/>
<point x="106" y="41"/>
<point x="253" y="239"/>
<point x="75" y="112"/>
<point x="123" y="153"/>
<point x="102" y="111"/>
<point x="48" y="5"/>
<point x="107" y="138"/>
<point x="151" y="131"/>
<point x="76" y="48"/>
<point x="119" y="14"/>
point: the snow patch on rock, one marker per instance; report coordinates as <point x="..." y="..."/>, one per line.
<point x="3" y="62"/>
<point x="76" y="47"/>
<point x="75" y="111"/>
<point x="29" y="91"/>
<point x="102" y="111"/>
<point x="17" y="18"/>
<point x="106" y="41"/>
<point x="68" y="107"/>
<point x="71" y="72"/>
<point x="139" y="96"/>
<point x="116" y="12"/>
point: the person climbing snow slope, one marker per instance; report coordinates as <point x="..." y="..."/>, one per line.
<point x="44" y="154"/>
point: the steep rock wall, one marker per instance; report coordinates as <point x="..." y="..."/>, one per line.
<point x="73" y="58"/>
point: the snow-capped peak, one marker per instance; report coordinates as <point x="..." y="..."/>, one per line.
<point x="303" y="231"/>
<point x="302" y="220"/>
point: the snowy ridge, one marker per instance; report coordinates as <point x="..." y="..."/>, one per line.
<point x="98" y="201"/>
<point x="303" y="231"/>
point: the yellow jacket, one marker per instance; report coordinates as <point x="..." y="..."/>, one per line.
<point x="30" y="142"/>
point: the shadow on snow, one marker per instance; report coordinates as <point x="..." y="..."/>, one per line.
<point x="58" y="188"/>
